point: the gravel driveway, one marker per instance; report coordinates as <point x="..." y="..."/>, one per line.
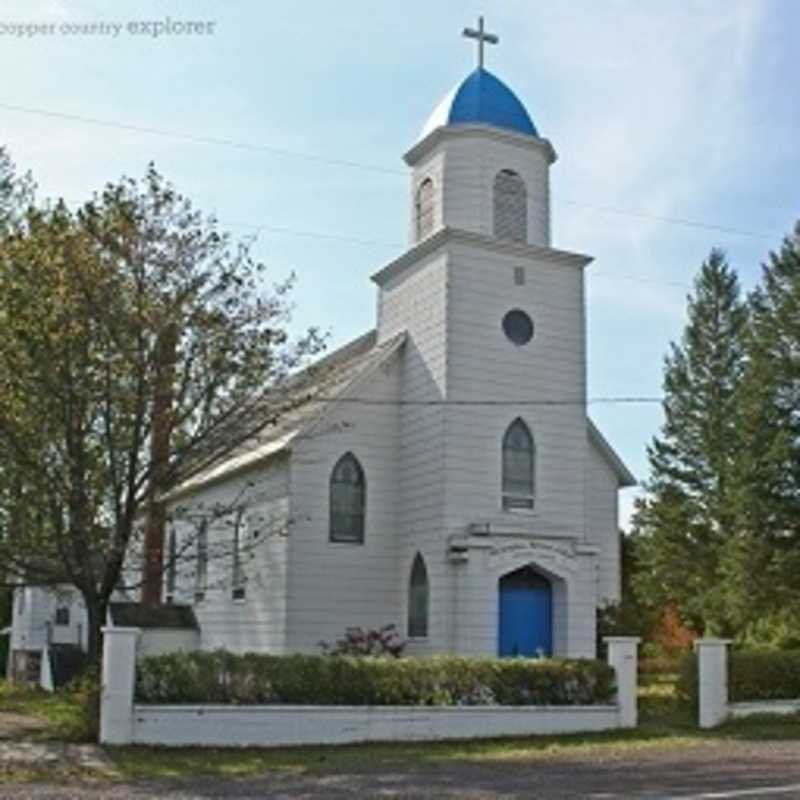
<point x="713" y="771"/>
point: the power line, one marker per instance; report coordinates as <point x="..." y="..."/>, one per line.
<point x="312" y="234"/>
<point x="191" y="137"/>
<point x="382" y="243"/>
<point x="630" y="400"/>
<point x="709" y="226"/>
<point x="349" y="163"/>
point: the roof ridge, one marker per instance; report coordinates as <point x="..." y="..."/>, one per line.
<point x="289" y="415"/>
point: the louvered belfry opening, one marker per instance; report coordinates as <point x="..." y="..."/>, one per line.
<point x="510" y="207"/>
<point x="424" y="209"/>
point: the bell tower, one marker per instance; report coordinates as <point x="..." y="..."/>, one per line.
<point x="480" y="164"/>
<point x="492" y="426"/>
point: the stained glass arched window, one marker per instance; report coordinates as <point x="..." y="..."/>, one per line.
<point x="518" y="466"/>
<point x="418" y="598"/>
<point x="347" y="501"/>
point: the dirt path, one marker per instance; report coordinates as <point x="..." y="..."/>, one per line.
<point x="16" y="727"/>
<point x="17" y="751"/>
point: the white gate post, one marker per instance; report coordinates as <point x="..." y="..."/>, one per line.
<point x="622" y="656"/>
<point x="119" y="675"/>
<point x="712" y="681"/>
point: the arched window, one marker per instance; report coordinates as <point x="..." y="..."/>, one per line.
<point x="510" y="207"/>
<point x="172" y="564"/>
<point x="238" y="585"/>
<point x="418" y="599"/>
<point x="201" y="562"/>
<point x="518" y="473"/>
<point x="424" y="209"/>
<point x="348" y="496"/>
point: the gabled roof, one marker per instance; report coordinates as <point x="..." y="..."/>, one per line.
<point x="134" y="615"/>
<point x="290" y="410"/>
<point x="600" y="442"/>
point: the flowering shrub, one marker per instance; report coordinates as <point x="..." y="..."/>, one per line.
<point x="221" y="677"/>
<point x="367" y="642"/>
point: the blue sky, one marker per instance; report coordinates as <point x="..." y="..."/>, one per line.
<point x="685" y="110"/>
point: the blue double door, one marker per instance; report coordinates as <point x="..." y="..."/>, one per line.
<point x="526" y="614"/>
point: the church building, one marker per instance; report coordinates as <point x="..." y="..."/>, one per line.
<point x="440" y="472"/>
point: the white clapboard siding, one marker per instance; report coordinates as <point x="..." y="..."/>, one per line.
<point x="485" y="366"/>
<point x="602" y="523"/>
<point x="257" y="622"/>
<point x="334" y="585"/>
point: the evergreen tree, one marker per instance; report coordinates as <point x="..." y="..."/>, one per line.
<point x="16" y="192"/>
<point x="689" y="513"/>
<point x="763" y="569"/>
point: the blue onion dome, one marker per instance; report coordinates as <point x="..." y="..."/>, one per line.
<point x="481" y="99"/>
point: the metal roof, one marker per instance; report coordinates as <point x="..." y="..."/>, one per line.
<point x="624" y="475"/>
<point x="134" y="615"/>
<point x="289" y="410"/>
<point x="481" y="99"/>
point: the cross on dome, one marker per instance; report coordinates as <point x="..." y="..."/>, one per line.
<point x="482" y="37"/>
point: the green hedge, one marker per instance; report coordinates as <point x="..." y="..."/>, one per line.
<point x="220" y="677"/>
<point x="764" y="675"/>
<point x="752" y="675"/>
<point x="686" y="686"/>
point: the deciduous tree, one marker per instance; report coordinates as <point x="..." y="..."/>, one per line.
<point x="137" y="336"/>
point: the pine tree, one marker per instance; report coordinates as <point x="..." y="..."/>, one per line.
<point x="688" y="515"/>
<point x="16" y="192"/>
<point x="763" y="570"/>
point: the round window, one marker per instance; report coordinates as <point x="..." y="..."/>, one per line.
<point x="518" y="326"/>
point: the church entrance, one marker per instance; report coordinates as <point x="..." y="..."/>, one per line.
<point x="526" y="614"/>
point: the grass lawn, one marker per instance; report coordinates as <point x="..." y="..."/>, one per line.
<point x="664" y="721"/>
<point x="65" y="715"/>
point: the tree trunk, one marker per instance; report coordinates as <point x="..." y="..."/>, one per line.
<point x="96" y="610"/>
<point x="159" y="466"/>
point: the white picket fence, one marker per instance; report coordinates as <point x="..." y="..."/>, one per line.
<point x="122" y="721"/>
<point x="712" y="678"/>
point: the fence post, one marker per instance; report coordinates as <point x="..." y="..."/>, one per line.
<point x="712" y="681"/>
<point x="119" y="675"/>
<point x="622" y="656"/>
